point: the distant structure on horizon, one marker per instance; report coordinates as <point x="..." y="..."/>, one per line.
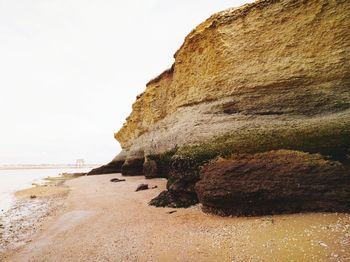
<point x="79" y="162"/>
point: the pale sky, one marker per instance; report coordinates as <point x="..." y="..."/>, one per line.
<point x="71" y="69"/>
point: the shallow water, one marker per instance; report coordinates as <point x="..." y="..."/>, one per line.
<point x="14" y="180"/>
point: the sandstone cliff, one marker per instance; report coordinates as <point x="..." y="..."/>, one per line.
<point x="272" y="75"/>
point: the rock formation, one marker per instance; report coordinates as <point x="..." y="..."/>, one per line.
<point x="109" y="168"/>
<point x="274" y="182"/>
<point x="115" y="166"/>
<point x="271" y="75"/>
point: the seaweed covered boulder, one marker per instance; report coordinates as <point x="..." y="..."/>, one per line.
<point x="159" y="165"/>
<point x="274" y="182"/>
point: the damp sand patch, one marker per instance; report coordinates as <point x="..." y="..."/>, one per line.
<point x="31" y="207"/>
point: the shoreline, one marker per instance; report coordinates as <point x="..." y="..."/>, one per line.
<point x="12" y="181"/>
<point x="31" y="167"/>
<point x="31" y="208"/>
<point x="100" y="220"/>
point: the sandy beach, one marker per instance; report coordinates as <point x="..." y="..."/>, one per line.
<point x="104" y="221"/>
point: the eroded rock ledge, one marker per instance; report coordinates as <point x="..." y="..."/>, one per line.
<point x="269" y="76"/>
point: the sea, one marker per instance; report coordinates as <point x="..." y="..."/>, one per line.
<point x="17" y="179"/>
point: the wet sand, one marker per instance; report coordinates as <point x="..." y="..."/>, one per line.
<point x="32" y="207"/>
<point x="104" y="221"/>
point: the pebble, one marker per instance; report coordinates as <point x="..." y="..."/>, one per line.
<point x="323" y="244"/>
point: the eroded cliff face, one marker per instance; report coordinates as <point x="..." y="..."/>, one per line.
<point x="268" y="76"/>
<point x="271" y="60"/>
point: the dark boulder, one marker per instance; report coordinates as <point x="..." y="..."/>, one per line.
<point x="274" y="182"/>
<point x="159" y="165"/>
<point x="142" y="187"/>
<point x="150" y="169"/>
<point x="174" y="199"/>
<point x="115" y="180"/>
<point x="133" y="167"/>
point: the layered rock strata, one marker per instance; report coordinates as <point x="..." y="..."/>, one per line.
<point x="271" y="75"/>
